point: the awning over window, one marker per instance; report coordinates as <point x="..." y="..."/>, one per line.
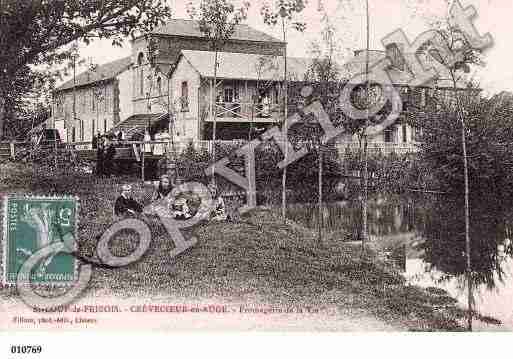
<point x="137" y="124"/>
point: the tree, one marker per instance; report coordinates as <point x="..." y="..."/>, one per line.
<point x="13" y="92"/>
<point x="462" y="54"/>
<point x="443" y="226"/>
<point x="33" y="33"/>
<point x="488" y="131"/>
<point x="324" y="75"/>
<point x="453" y="49"/>
<point x="217" y="21"/>
<point x="283" y="13"/>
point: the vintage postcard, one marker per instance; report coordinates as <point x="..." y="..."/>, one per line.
<point x="274" y="166"/>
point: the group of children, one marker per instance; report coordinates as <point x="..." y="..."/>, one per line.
<point x="178" y="207"/>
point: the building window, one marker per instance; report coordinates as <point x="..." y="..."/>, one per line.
<point x="405" y="133"/>
<point x="140" y="60"/>
<point x="185" y="97"/>
<point x="231" y="94"/>
<point x="228" y="94"/>
<point x="423" y="101"/>
<point x="59" y="105"/>
<point x="82" y="130"/>
<point x="107" y="100"/>
<point x="159" y="86"/>
<point x="93" y="128"/>
<point x="73" y="134"/>
<point x="405" y="95"/>
<point x="83" y="102"/>
<point x="104" y="125"/>
<point x="417" y="134"/>
<point x="93" y="100"/>
<point x="389" y="135"/>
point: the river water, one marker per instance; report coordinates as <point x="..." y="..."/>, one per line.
<point x="423" y="237"/>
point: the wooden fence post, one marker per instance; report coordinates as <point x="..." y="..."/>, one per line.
<point x="136" y="152"/>
<point x="142" y="160"/>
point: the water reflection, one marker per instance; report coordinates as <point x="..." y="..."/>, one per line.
<point x="424" y="237"/>
<point x="443" y="230"/>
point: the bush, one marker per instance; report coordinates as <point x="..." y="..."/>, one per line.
<point x="393" y="174"/>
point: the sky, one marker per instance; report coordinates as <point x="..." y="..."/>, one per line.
<point x="348" y="17"/>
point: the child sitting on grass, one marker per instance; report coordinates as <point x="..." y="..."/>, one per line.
<point x="180" y="209"/>
<point x="125" y="205"/>
<point x="219" y="208"/>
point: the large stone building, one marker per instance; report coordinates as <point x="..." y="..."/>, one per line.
<point x="171" y="70"/>
<point x="126" y="90"/>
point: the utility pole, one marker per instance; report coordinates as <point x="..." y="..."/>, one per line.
<point x="321" y="221"/>
<point x="169" y="125"/>
<point x="285" y="122"/>
<point x="365" y="159"/>
<point x="214" y="113"/>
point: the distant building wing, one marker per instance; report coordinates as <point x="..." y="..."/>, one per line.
<point x="400" y="73"/>
<point x="102" y="72"/>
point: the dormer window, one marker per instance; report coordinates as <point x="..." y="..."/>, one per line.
<point x="185" y="97"/>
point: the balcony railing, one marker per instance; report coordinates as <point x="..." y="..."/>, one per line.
<point x="247" y="112"/>
<point x="376" y="147"/>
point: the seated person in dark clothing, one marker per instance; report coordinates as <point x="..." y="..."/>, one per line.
<point x="125" y="205"/>
<point x="108" y="159"/>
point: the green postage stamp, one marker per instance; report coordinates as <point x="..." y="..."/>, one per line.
<point x="32" y="224"/>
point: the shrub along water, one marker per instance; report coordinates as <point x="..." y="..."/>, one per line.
<point x="392" y="174"/>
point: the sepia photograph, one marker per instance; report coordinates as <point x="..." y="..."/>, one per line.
<point x="267" y="166"/>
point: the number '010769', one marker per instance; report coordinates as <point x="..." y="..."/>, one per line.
<point x="26" y="349"/>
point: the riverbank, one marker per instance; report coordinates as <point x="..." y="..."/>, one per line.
<point x="259" y="260"/>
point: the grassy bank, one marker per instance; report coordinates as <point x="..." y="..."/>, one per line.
<point x="259" y="259"/>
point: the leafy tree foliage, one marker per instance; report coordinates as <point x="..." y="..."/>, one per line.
<point x="217" y="20"/>
<point x="489" y="129"/>
<point x="443" y="227"/>
<point x="35" y="33"/>
<point x="284" y="10"/>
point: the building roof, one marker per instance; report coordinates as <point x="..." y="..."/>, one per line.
<point x="190" y="28"/>
<point x="103" y="72"/>
<point x="246" y="66"/>
<point x="356" y="65"/>
<point x="270" y="68"/>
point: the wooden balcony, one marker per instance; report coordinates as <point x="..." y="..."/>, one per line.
<point x="247" y="112"/>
